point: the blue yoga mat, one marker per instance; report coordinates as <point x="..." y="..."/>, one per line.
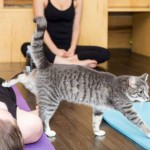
<point x="120" y="123"/>
<point x="43" y="143"/>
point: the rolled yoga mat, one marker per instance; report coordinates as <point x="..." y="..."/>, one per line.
<point x="43" y="143"/>
<point x="124" y="126"/>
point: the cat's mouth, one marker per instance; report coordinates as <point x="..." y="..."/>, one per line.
<point x="141" y="101"/>
<point x="136" y="101"/>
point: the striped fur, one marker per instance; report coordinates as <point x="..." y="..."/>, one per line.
<point x="81" y="85"/>
<point x="37" y="43"/>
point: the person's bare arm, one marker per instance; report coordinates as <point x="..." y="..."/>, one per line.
<point x="30" y="125"/>
<point x="76" y="26"/>
<point x="38" y="10"/>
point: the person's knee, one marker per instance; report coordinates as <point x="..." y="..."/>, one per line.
<point x="103" y="55"/>
<point x="107" y="54"/>
<point x="24" y="48"/>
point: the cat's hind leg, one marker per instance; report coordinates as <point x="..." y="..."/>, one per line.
<point x="10" y="82"/>
<point x="97" y="119"/>
<point x="22" y="78"/>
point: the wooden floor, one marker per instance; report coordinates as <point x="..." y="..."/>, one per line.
<point x="73" y="123"/>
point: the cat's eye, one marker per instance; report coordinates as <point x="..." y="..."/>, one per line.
<point x="141" y="92"/>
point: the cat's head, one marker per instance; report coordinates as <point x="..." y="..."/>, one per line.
<point x="138" y="88"/>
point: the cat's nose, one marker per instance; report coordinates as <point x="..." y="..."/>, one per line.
<point x="148" y="99"/>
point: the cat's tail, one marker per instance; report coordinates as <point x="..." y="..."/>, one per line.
<point x="37" y="52"/>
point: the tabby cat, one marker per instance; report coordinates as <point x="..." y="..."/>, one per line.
<point x="100" y="90"/>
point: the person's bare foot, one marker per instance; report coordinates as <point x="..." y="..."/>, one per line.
<point x="87" y="63"/>
<point x="75" y="61"/>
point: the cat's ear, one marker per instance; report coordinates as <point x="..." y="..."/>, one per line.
<point x="144" y="76"/>
<point x="132" y="82"/>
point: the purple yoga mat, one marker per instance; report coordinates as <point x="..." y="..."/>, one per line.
<point x="43" y="143"/>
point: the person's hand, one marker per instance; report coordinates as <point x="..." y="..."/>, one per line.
<point x="70" y="52"/>
<point x="62" y="53"/>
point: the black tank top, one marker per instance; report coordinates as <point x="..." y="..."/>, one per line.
<point x="8" y="97"/>
<point x="60" y="24"/>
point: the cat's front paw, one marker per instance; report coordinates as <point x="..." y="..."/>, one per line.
<point x="99" y="133"/>
<point x="50" y="133"/>
<point x="148" y="134"/>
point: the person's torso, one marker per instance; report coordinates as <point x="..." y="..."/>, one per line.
<point x="60" y="24"/>
<point x="8" y="97"/>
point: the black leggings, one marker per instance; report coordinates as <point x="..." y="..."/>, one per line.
<point x="83" y="52"/>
